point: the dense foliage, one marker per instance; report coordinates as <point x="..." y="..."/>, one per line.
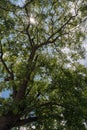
<point x="41" y="42"/>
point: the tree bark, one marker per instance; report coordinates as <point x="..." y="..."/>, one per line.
<point x="5" y="123"/>
<point x="8" y="122"/>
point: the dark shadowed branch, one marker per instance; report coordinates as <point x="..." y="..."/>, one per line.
<point x="25" y="121"/>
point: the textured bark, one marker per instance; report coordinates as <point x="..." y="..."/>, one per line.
<point x="9" y="121"/>
<point x="5" y="123"/>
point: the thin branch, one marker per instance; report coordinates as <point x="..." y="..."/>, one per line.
<point x="12" y="8"/>
<point x="29" y="2"/>
<point x="28" y="26"/>
<point x="27" y="32"/>
<point x="6" y="9"/>
<point x="50" y="104"/>
<point x="51" y="41"/>
<point x="59" y="30"/>
<point x="3" y="62"/>
<point x="10" y="72"/>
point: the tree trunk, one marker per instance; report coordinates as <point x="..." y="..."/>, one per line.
<point x="4" y="124"/>
<point x="4" y="127"/>
<point x="7" y="122"/>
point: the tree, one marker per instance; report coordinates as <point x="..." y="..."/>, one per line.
<point x="40" y="45"/>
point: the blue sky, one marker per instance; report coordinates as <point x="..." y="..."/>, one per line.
<point x="18" y="2"/>
<point x="5" y="94"/>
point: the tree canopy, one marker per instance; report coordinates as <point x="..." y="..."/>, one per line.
<point x="41" y="42"/>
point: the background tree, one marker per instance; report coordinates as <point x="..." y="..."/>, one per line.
<point x="40" y="44"/>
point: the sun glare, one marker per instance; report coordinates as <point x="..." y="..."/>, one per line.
<point x="32" y="20"/>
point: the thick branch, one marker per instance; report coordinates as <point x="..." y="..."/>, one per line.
<point x="22" y="89"/>
<point x="25" y="121"/>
